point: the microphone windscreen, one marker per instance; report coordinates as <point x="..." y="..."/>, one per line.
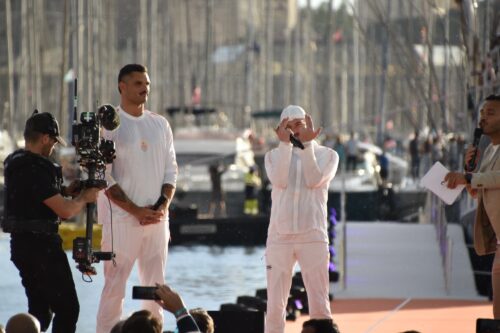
<point x="471" y="165"/>
<point x="477" y="134"/>
<point x="109" y="117"/>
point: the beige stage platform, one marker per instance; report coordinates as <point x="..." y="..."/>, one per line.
<point x="399" y="315"/>
<point x="395" y="283"/>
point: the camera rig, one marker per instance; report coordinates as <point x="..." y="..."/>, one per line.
<point x="93" y="153"/>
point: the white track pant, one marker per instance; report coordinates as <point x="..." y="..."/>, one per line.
<point x="313" y="259"/>
<point x="146" y="244"/>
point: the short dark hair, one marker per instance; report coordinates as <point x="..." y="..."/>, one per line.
<point x="31" y="136"/>
<point x="321" y="325"/>
<point x="130" y="68"/>
<point x="203" y="320"/>
<point x="493" y="97"/>
<point x="142" y="322"/>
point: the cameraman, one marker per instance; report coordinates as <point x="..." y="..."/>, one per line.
<point x="145" y="168"/>
<point x="34" y="203"/>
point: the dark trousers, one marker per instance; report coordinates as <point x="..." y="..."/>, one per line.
<point x="47" y="280"/>
<point x="351" y="162"/>
<point x="415" y="167"/>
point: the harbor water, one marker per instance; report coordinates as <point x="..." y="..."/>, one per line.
<point x="205" y="277"/>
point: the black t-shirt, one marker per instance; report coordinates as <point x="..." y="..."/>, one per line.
<point x="414" y="147"/>
<point x="29" y="180"/>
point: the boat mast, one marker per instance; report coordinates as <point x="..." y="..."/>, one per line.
<point x="249" y="65"/>
<point x="385" y="61"/>
<point x="269" y="53"/>
<point x="329" y="113"/>
<point x="358" y="93"/>
<point x="37" y="28"/>
<point x="309" y="53"/>
<point x="62" y="116"/>
<point x="208" y="50"/>
<point x="7" y="118"/>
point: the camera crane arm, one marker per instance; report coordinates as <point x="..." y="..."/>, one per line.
<point x="93" y="154"/>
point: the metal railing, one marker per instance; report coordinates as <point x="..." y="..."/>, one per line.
<point x="435" y="214"/>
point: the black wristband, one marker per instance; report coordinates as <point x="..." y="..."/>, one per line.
<point x="468" y="177"/>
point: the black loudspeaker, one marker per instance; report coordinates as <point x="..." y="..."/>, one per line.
<point x="238" y="321"/>
<point x="252" y="303"/>
<point x="233" y="307"/>
<point x="297" y="280"/>
<point x="487" y="326"/>
<point x="261" y="293"/>
<point x="333" y="276"/>
<point x="299" y="293"/>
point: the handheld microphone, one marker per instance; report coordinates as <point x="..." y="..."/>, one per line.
<point x="475" y="142"/>
<point x="296" y="142"/>
<point x="161" y="200"/>
<point x="108" y="117"/>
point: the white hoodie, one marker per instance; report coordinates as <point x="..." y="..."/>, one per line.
<point x="300" y="181"/>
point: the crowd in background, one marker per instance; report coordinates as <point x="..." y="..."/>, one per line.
<point x="420" y="150"/>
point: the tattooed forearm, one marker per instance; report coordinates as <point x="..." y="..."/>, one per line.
<point x="116" y="194"/>
<point x="168" y="190"/>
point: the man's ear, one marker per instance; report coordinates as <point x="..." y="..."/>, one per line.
<point x="121" y="84"/>
<point x="45" y="138"/>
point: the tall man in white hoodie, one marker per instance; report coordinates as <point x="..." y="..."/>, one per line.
<point x="298" y="227"/>
<point x="145" y="168"/>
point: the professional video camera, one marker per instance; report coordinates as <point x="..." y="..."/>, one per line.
<point x="93" y="154"/>
<point x="93" y="151"/>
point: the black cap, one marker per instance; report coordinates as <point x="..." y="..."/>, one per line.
<point x="44" y="123"/>
<point x="493" y="98"/>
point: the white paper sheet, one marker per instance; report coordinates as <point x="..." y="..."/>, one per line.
<point x="434" y="181"/>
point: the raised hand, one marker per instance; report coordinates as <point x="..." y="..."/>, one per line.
<point x="170" y="300"/>
<point x="74" y="188"/>
<point x="469" y="155"/>
<point x="453" y="179"/>
<point x="308" y="133"/>
<point x="282" y="131"/>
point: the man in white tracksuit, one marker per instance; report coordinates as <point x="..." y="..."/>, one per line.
<point x="145" y="168"/>
<point x="298" y="226"/>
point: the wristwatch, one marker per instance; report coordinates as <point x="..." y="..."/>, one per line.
<point x="468" y="177"/>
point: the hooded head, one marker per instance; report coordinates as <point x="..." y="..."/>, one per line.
<point x="296" y="119"/>
<point x="293" y="112"/>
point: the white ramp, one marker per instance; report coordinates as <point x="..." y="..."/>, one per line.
<point x="398" y="260"/>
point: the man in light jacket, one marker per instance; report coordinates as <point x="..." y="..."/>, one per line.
<point x="484" y="184"/>
<point x="298" y="225"/>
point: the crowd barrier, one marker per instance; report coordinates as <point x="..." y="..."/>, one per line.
<point x="435" y="214"/>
